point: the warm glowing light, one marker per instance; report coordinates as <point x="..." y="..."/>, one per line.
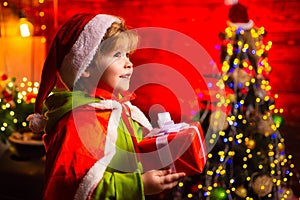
<point x="180" y="184"/>
<point x="43" y="40"/>
<point x="10" y="84"/>
<point x="43" y="27"/>
<point x="210" y="173"/>
<point x="281" y="110"/>
<point x="26" y="27"/>
<point x="292" y="166"/>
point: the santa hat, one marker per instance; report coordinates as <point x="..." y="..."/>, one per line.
<point x="72" y="50"/>
<point x="238" y="15"/>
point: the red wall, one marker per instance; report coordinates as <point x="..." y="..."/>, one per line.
<point x="202" y="20"/>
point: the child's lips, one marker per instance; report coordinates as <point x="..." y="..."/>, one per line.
<point x="126" y="76"/>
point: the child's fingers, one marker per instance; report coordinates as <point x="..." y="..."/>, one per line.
<point x="169" y="178"/>
<point x="170" y="185"/>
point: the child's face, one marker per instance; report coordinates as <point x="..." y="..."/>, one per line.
<point x="118" y="71"/>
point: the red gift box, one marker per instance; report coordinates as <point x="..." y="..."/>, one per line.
<point x="183" y="151"/>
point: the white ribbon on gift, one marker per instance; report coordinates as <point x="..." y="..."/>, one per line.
<point x="164" y="152"/>
<point x="203" y="149"/>
<point x="163" y="149"/>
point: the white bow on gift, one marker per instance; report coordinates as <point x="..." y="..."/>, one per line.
<point x="166" y="125"/>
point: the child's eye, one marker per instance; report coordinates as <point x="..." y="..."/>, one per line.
<point x="118" y="54"/>
<point x="127" y="55"/>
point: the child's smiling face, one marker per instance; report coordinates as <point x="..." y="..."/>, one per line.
<point x="111" y="65"/>
<point x="118" y="73"/>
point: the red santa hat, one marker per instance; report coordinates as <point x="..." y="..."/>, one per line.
<point x="72" y="50"/>
<point x="238" y="15"/>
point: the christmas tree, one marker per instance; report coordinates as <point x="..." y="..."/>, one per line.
<point x="16" y="103"/>
<point x="248" y="160"/>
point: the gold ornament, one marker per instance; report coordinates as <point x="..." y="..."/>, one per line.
<point x="239" y="75"/>
<point x="262" y="185"/>
<point x="281" y="147"/>
<point x="262" y="124"/>
<point x="218" y="121"/>
<point x="286" y="193"/>
<point x="241" y="191"/>
<point x="231" y="97"/>
<point x="250" y="143"/>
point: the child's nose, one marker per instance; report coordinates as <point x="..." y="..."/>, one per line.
<point x="128" y="63"/>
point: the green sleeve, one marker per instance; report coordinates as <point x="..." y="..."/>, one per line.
<point x="120" y="186"/>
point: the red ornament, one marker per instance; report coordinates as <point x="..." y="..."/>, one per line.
<point x="7" y="95"/>
<point x="4" y="77"/>
<point x="29" y="97"/>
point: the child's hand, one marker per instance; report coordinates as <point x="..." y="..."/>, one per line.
<point x="156" y="181"/>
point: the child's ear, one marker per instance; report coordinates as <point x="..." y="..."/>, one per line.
<point x="86" y="74"/>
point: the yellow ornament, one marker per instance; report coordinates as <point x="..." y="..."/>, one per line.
<point x="250" y="143"/>
<point x="241" y="191"/>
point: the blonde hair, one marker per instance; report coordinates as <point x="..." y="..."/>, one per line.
<point x="117" y="36"/>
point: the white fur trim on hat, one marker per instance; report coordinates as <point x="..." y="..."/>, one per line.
<point x="245" y="26"/>
<point x="84" y="49"/>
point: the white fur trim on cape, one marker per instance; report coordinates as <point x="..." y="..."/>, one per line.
<point x="244" y="26"/>
<point x="84" y="49"/>
<point x="95" y="174"/>
<point x="138" y="115"/>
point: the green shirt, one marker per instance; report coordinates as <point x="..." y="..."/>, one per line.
<point x="122" y="180"/>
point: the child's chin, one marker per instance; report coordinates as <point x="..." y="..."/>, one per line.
<point x="121" y="89"/>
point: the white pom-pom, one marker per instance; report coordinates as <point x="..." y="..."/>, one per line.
<point x="37" y="122"/>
